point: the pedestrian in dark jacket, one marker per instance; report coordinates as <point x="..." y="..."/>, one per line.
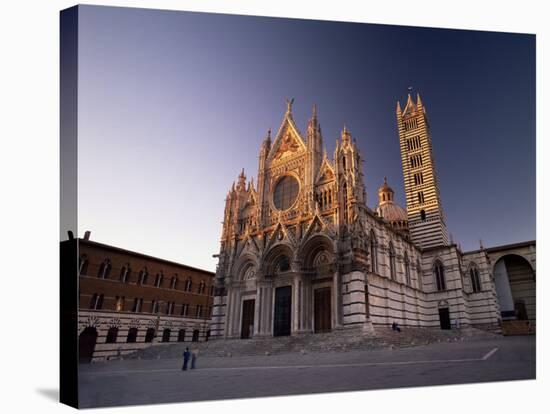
<point x="186" y="357"/>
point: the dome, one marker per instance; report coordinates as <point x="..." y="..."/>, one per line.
<point x="392" y="212"/>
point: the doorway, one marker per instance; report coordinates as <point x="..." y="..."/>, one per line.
<point x="322" y="306"/>
<point x="444" y="318"/>
<point x="86" y="345"/>
<point x="283" y="302"/>
<point x="247" y="325"/>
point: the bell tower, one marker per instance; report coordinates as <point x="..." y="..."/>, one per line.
<point x="424" y="210"/>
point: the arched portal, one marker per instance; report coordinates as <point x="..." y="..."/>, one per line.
<point x="86" y="345"/>
<point x="317" y="287"/>
<point x="516" y="287"/>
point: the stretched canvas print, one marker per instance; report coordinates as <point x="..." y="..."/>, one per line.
<point x="311" y="206"/>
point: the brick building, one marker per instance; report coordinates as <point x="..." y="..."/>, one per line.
<point x="129" y="301"/>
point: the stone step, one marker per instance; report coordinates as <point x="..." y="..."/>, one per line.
<point x="337" y="340"/>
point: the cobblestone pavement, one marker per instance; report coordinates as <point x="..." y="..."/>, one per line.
<point x="150" y="381"/>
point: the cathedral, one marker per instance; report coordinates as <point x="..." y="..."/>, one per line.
<point x="301" y="252"/>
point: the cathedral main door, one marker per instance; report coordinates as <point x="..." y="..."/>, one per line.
<point x="283" y="301"/>
<point x="247" y="326"/>
<point x="322" y="305"/>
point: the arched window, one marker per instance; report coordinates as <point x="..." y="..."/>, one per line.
<point x="373" y="253"/>
<point x="211" y="290"/>
<point x="143" y="275"/>
<point x="392" y="261"/>
<point x="422" y="215"/>
<point x="158" y="279"/>
<point x="112" y="334"/>
<point x="407" y="269"/>
<point x="202" y="286"/>
<point x="174" y="282"/>
<point x="97" y="301"/>
<point x="181" y="335"/>
<point x="155" y="307"/>
<point x="166" y="335"/>
<point x="83" y="265"/>
<point x="188" y="285"/>
<point x="185" y="309"/>
<point x="138" y="305"/>
<point x="195" y="336"/>
<point x="150" y="335"/>
<point x="119" y="303"/>
<point x="132" y="335"/>
<point x="474" y="279"/>
<point x="439" y="275"/>
<point x="345" y="207"/>
<point x="125" y="272"/>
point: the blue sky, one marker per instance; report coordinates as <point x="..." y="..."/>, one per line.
<point x="172" y="105"/>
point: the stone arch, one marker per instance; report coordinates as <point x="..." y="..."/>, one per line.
<point x="278" y="259"/>
<point x="515" y="286"/>
<point x="317" y="251"/>
<point x="246" y="263"/>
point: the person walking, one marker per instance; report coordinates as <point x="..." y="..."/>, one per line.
<point x="186" y="356"/>
<point x="194" y="356"/>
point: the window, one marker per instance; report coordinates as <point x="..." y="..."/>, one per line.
<point x="132" y="335"/>
<point x="439" y="276"/>
<point x="474" y="279"/>
<point x="392" y="261"/>
<point x="138" y="305"/>
<point x="119" y="303"/>
<point x="83" y="265"/>
<point x="170" y="308"/>
<point x="181" y="335"/>
<point x="373" y="253"/>
<point x="423" y="215"/>
<point x="112" y="334"/>
<point x="407" y="269"/>
<point x="211" y="290"/>
<point x="97" y="301"/>
<point x="158" y="279"/>
<point x="143" y="277"/>
<point x="285" y="193"/>
<point x="125" y="273"/>
<point x="104" y="269"/>
<point x="345" y="206"/>
<point x="196" y="334"/>
<point x="419" y="274"/>
<point x="202" y="286"/>
<point x="150" y="335"/>
<point x="184" y="309"/>
<point x="155" y="306"/>
<point x="174" y="282"/>
<point x="188" y="285"/>
<point x="166" y="335"/>
<point x="199" y="311"/>
<point x="282" y="264"/>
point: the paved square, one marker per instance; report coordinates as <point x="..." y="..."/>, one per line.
<point x="162" y="381"/>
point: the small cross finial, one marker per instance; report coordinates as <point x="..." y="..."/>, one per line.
<point x="410" y="89"/>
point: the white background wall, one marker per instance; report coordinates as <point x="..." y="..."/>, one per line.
<point x="30" y="192"/>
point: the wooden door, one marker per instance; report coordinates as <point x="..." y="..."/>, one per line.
<point x="282" y="314"/>
<point x="444" y="318"/>
<point x="322" y="311"/>
<point x="247" y="325"/>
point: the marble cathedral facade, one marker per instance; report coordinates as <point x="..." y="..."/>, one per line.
<point x="301" y="251"/>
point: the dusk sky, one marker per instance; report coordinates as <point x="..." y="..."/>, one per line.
<point x="172" y="105"/>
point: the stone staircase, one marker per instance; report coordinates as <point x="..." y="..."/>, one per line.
<point x="340" y="340"/>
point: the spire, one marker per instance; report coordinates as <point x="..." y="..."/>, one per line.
<point x="345" y="134"/>
<point x="398" y="109"/>
<point x="314" y="112"/>
<point x="418" y="100"/>
<point x="241" y="183"/>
